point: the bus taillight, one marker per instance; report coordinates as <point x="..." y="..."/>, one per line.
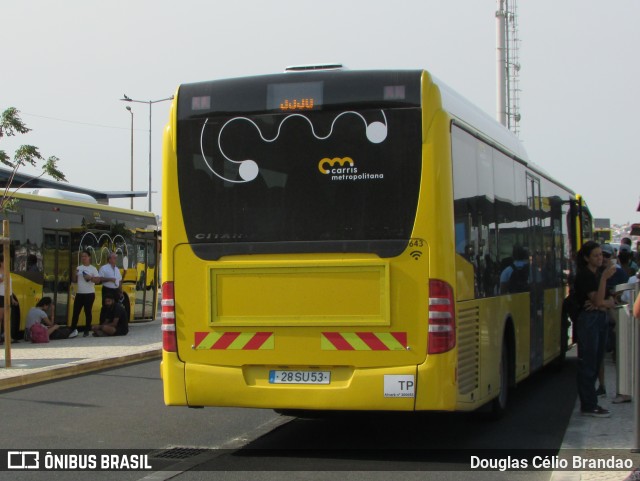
<point x="168" y="318"/>
<point x="442" y="318"/>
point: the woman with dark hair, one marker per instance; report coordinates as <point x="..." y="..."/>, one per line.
<point x="591" y="294"/>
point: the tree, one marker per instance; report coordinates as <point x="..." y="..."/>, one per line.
<point x="10" y="125"/>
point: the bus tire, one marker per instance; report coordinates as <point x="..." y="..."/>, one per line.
<point x="499" y="404"/>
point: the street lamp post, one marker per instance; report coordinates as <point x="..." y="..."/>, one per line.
<point x="131" y="112"/>
<point x="150" y="102"/>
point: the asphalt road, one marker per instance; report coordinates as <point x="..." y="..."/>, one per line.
<point x="123" y="409"/>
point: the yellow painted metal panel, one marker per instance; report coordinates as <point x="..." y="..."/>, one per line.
<point x="285" y="294"/>
<point x="172" y="369"/>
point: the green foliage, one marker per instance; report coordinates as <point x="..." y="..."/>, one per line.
<point x="10" y="125"/>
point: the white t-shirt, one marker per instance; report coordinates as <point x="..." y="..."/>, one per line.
<point x="111" y="272"/>
<point x="86" y="287"/>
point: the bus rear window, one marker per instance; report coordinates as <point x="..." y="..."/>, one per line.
<point x="329" y="179"/>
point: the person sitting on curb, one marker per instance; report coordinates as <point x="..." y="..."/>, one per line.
<point x="43" y="314"/>
<point x="113" y="319"/>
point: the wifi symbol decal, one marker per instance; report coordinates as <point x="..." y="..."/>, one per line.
<point x="415" y="254"/>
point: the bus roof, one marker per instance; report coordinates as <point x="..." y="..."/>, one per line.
<point x="43" y="197"/>
<point x="60" y="194"/>
<point x="463" y="110"/>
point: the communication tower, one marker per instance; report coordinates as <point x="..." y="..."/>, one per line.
<point x="508" y="68"/>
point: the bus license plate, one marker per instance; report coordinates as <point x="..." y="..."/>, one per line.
<point x="299" y="377"/>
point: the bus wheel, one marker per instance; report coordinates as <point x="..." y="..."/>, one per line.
<point x="499" y="404"/>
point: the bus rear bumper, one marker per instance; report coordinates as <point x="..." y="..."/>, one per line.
<point x="172" y="374"/>
<point x="386" y="389"/>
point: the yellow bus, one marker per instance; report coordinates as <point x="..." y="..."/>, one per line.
<point x="341" y="240"/>
<point x="603" y="235"/>
<point x="49" y="229"/>
<point x="584" y="226"/>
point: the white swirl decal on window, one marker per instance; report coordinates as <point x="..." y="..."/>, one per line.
<point x="248" y="169"/>
<point x="106" y="244"/>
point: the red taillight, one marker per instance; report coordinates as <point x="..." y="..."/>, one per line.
<point x="168" y="318"/>
<point x="442" y="317"/>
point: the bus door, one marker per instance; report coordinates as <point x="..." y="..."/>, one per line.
<point x="56" y="264"/>
<point x="146" y="281"/>
<point x="536" y="249"/>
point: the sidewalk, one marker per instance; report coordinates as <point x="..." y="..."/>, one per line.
<point x="587" y="433"/>
<point x="33" y="363"/>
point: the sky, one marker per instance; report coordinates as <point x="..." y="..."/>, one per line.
<point x="66" y="65"/>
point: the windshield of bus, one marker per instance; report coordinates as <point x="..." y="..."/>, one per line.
<point x="300" y="162"/>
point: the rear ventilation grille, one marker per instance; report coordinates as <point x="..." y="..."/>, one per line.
<point x="468" y="349"/>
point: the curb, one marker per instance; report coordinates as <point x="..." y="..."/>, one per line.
<point x="78" y="368"/>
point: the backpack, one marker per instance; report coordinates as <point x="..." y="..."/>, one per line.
<point x="519" y="280"/>
<point x="61" y="333"/>
<point x="39" y="334"/>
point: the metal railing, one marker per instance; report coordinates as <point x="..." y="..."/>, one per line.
<point x="628" y="353"/>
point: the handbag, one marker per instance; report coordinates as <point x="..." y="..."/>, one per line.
<point x="39" y="334"/>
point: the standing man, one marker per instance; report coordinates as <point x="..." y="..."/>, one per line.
<point x="86" y="275"/>
<point x="619" y="277"/>
<point x="591" y="292"/>
<point x="111" y="278"/>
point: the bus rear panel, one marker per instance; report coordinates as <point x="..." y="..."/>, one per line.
<point x="298" y="197"/>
